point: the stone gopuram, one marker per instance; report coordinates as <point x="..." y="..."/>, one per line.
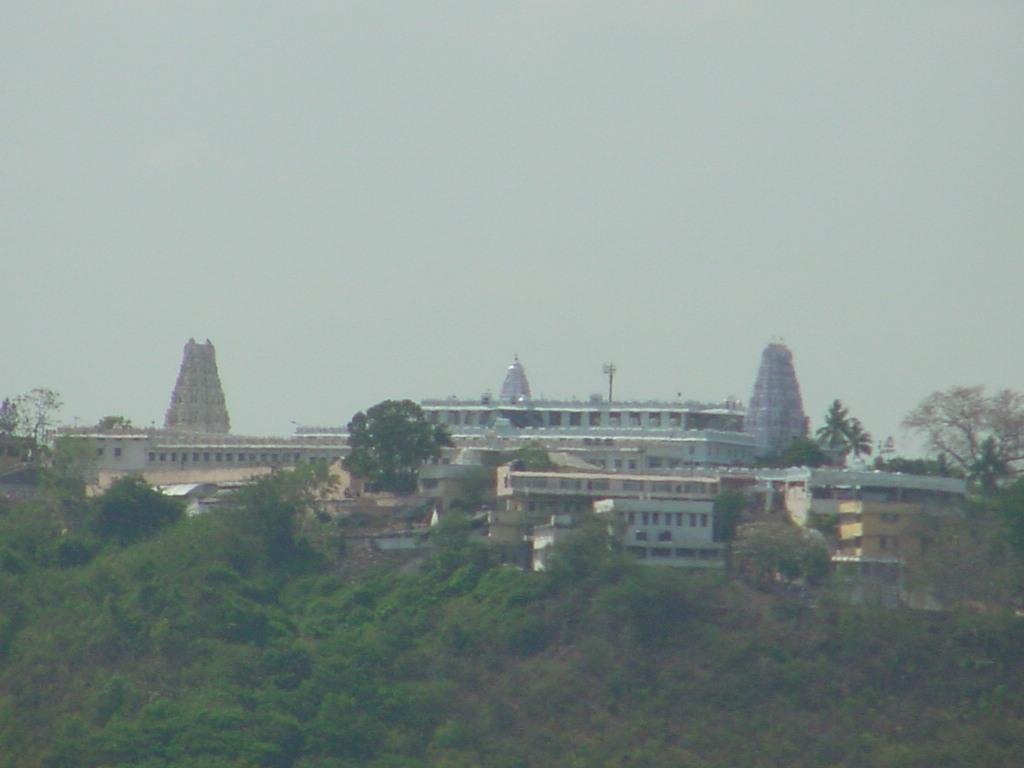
<point x="776" y="413"/>
<point x="197" y="403"/>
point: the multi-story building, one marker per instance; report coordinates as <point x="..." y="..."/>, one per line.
<point x="627" y="436"/>
<point x="882" y="519"/>
<point x="678" y="532"/>
<point x="527" y="498"/>
<point x="165" y="457"/>
<point x="822" y="491"/>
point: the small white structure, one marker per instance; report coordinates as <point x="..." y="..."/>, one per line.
<point x="195" y="495"/>
<point x="546" y="536"/>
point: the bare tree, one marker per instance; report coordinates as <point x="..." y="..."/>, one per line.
<point x="958" y="421"/>
<point x="37" y="410"/>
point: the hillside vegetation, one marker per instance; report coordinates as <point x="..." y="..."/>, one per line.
<point x="225" y="640"/>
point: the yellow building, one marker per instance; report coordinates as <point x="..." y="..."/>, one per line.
<point x="893" y="530"/>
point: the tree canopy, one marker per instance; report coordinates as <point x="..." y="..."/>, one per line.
<point x="728" y="508"/>
<point x="959" y="422"/>
<point x="802" y="452"/>
<point x="273" y="505"/>
<point x="131" y="510"/>
<point x="8" y="417"/>
<point x="390" y="441"/>
<point x="767" y="550"/>
<point x="36" y="410"/>
<point x="30" y="414"/>
<point x="114" y="424"/>
<point x="939" y="466"/>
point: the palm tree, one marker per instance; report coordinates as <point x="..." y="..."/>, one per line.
<point x="843" y="434"/>
<point x="832" y="436"/>
<point x="858" y="439"/>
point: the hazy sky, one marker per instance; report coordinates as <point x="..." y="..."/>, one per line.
<point x="365" y="200"/>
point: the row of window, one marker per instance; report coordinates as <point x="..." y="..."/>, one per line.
<point x="605" y="484"/>
<point x="880" y="495"/>
<point x="671" y="419"/>
<point x="175" y="457"/>
<point x="696" y="519"/>
<point x="678" y="552"/>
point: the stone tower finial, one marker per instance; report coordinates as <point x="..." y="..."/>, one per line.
<point x="776" y="413"/>
<point x="197" y="403"/>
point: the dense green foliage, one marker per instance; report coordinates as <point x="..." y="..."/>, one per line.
<point x="764" y="549"/>
<point x="131" y="510"/>
<point x="390" y="441"/>
<point x="532" y="458"/>
<point x="203" y="645"/>
<point x="802" y="452"/>
<point x="939" y="467"/>
<point x="728" y="509"/>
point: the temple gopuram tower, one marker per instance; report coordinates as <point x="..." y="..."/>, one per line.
<point x="776" y="413"/>
<point x="515" y="388"/>
<point x="197" y="403"/>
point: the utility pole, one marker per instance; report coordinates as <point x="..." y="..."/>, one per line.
<point x="609" y="370"/>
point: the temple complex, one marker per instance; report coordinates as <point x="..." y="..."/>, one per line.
<point x="197" y="403"/>
<point x="618" y="435"/>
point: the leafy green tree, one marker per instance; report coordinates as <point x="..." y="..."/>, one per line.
<point x="131" y="510"/>
<point x="938" y="467"/>
<point x="1010" y="504"/>
<point x="989" y="468"/>
<point x="587" y="557"/>
<point x="72" y="464"/>
<point x="767" y="550"/>
<point x="476" y="488"/>
<point x="390" y="441"/>
<point x="728" y="509"/>
<point x="803" y="452"/>
<point x="113" y="424"/>
<point x="274" y="505"/>
<point x="533" y="458"/>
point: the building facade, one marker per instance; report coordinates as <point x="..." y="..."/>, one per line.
<point x="677" y="532"/>
<point x="529" y="498"/>
<point x="882" y="521"/>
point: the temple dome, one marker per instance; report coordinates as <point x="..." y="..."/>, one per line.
<point x="515" y="388"/>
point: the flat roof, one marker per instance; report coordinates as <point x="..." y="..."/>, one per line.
<point x="860" y="478"/>
<point x="599" y="475"/>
